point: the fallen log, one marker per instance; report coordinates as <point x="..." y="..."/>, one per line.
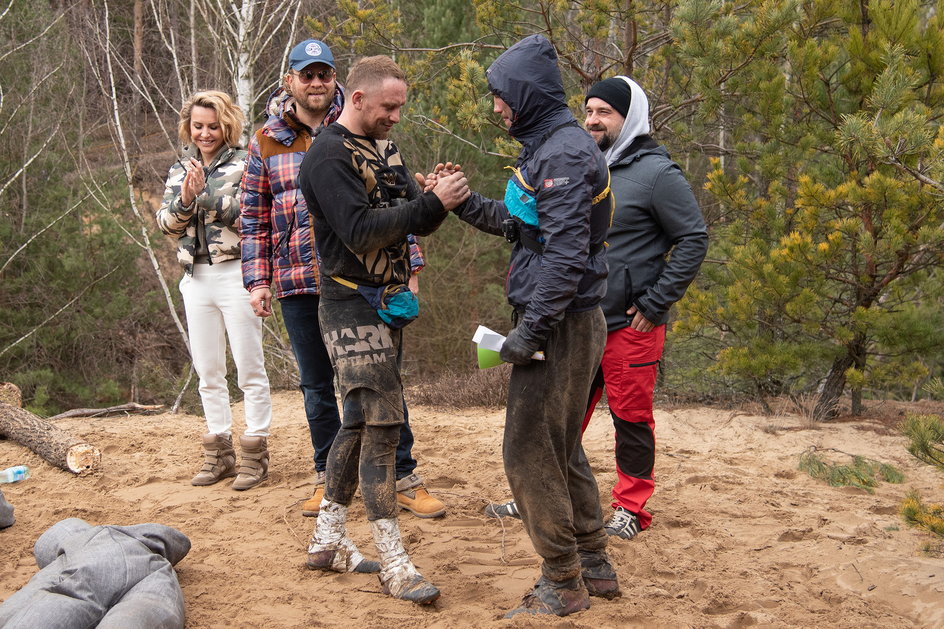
<point x="131" y="407"/>
<point x="52" y="443"/>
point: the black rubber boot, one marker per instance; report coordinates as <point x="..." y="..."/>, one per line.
<point x="557" y="598"/>
<point x="598" y="574"/>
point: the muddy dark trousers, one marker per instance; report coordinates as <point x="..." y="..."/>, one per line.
<point x="547" y="469"/>
<point x="366" y="453"/>
<point x="366" y="356"/>
<point x="300" y="314"/>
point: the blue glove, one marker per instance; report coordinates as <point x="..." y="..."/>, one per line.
<point x="519" y="346"/>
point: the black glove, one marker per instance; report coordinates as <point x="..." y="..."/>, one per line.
<point x="519" y="346"/>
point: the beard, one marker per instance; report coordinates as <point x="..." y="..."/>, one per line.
<point x="377" y="131"/>
<point x="321" y="103"/>
<point x="320" y="106"/>
<point x="605" y="141"/>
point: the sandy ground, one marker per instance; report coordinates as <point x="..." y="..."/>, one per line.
<point x="740" y="536"/>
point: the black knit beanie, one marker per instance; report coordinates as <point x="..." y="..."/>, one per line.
<point x="614" y="91"/>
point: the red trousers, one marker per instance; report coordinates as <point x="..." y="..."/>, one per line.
<point x="628" y="372"/>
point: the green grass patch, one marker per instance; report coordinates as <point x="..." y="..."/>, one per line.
<point x="861" y="472"/>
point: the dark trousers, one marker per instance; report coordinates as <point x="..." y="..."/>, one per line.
<point x="316" y="375"/>
<point x="547" y="469"/>
<point x="366" y="355"/>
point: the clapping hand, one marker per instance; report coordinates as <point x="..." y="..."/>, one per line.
<point x="194" y="182"/>
<point x="448" y="182"/>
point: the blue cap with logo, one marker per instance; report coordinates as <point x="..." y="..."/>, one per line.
<point x="308" y="52"/>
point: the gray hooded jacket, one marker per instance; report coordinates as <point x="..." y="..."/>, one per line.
<point x="6" y="513"/>
<point x="656" y="213"/>
<point x="565" y="168"/>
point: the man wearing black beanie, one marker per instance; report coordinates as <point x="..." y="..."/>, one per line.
<point x="656" y="213"/>
<point x="614" y="92"/>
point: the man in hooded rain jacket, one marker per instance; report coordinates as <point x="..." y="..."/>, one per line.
<point x="656" y="214"/>
<point x="556" y="210"/>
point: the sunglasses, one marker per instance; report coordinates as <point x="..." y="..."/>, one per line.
<point x="307" y="76"/>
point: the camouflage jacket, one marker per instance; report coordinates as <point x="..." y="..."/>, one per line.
<point x="215" y="211"/>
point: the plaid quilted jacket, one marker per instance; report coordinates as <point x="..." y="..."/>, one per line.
<point x="274" y="220"/>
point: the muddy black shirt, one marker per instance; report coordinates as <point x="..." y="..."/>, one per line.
<point x="363" y="202"/>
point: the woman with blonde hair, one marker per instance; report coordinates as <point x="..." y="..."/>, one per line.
<point x="201" y="209"/>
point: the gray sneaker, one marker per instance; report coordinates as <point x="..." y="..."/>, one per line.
<point x="623" y="524"/>
<point x="505" y="510"/>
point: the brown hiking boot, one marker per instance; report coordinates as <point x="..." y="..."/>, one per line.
<point x="254" y="463"/>
<point x="312" y="506"/>
<point x="557" y="598"/>
<point x="412" y="496"/>
<point x="598" y="574"/>
<point x="219" y="460"/>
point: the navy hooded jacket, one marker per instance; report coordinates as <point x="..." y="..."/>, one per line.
<point x="563" y="165"/>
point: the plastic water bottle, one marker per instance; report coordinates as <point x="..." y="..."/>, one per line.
<point x="14" y="474"/>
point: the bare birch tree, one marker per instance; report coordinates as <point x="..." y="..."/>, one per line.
<point x="106" y="77"/>
<point x="243" y="34"/>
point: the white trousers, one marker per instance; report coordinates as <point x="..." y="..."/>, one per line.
<point x="217" y="306"/>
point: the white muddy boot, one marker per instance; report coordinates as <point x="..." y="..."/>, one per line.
<point x="330" y="548"/>
<point x="398" y="575"/>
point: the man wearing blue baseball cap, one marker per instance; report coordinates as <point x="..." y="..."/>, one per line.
<point x="278" y="255"/>
<point x="309" y="60"/>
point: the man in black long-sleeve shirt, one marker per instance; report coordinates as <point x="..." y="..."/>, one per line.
<point x="364" y="203"/>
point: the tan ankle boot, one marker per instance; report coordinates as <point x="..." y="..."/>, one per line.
<point x="219" y="460"/>
<point x="412" y="496"/>
<point x="311" y="506"/>
<point x="254" y="463"/>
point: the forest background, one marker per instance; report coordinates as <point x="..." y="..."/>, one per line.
<point x="810" y="131"/>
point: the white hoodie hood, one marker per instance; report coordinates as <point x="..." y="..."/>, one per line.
<point x="636" y="123"/>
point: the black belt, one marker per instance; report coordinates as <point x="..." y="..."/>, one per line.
<point x="522" y="233"/>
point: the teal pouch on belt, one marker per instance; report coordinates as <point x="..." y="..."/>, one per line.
<point x="395" y="304"/>
<point x="520" y="199"/>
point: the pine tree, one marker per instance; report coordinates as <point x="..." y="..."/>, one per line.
<point x="833" y="200"/>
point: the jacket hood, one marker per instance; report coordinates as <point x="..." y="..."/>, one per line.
<point x="635" y="125"/>
<point x="528" y="79"/>
<point x="278" y="103"/>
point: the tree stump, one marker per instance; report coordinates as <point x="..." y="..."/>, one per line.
<point x="10" y="394"/>
<point x="53" y="444"/>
